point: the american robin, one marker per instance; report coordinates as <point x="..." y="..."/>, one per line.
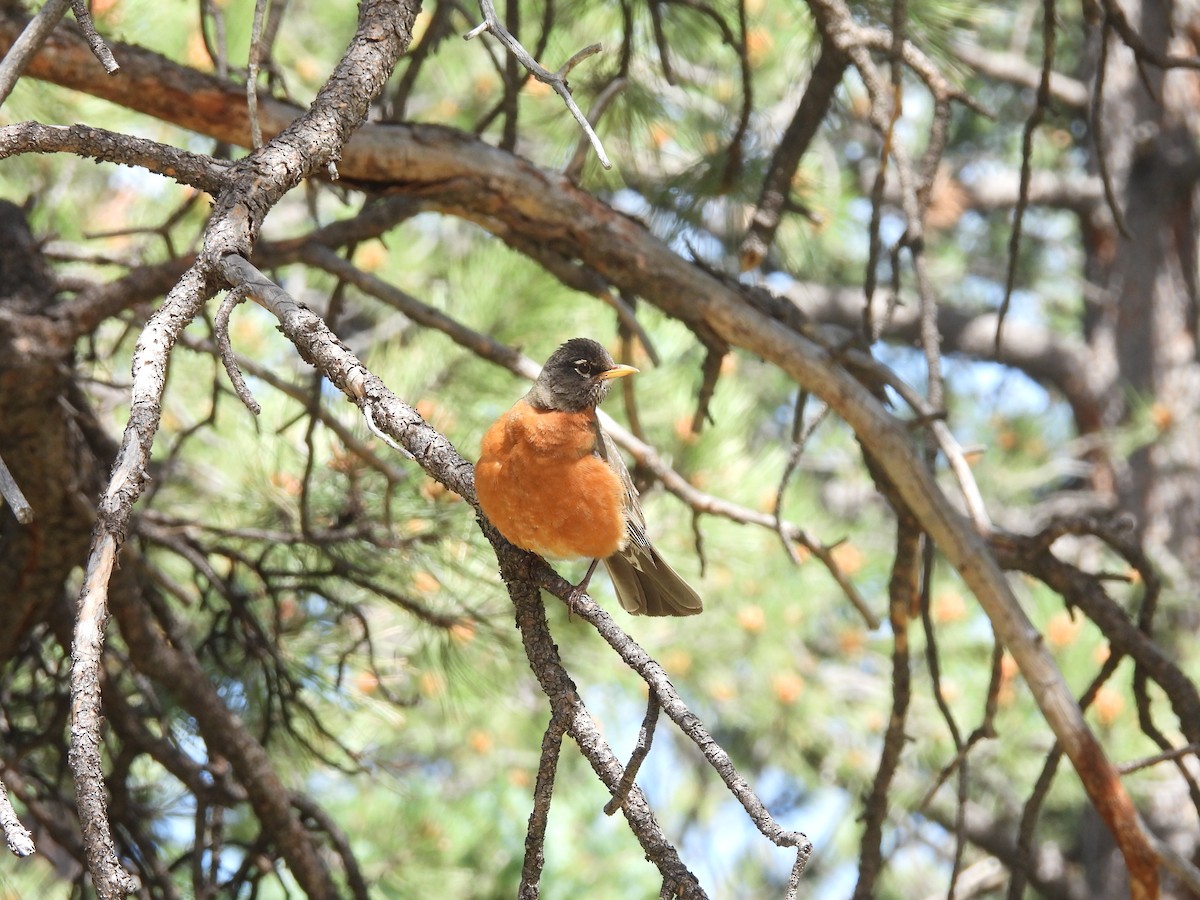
<point x="553" y="483"/>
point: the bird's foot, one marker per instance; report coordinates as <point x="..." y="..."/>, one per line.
<point x="574" y="598"/>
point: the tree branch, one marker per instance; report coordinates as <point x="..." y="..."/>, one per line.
<point x="11" y="492"/>
<point x="17" y="836"/>
<point x="195" y="169"/>
<point x="1013" y="69"/>
<point x="31" y="39"/>
<point x="543" y="791"/>
<point x="557" y="80"/>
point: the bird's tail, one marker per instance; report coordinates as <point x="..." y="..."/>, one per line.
<point x="647" y="586"/>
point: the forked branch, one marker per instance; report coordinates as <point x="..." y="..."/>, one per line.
<point x="558" y="80"/>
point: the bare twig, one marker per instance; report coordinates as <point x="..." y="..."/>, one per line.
<point x="252" y="63"/>
<point x="1096" y="121"/>
<point x="902" y="596"/>
<point x="11" y="492"/>
<point x="34" y="35"/>
<point x="640" y="750"/>
<point x="656" y="679"/>
<point x="557" y="80"/>
<point x="543" y="791"/>
<point x="193" y="169"/>
<point x="1115" y="16"/>
<point x="84" y="17"/>
<point x="228" y="360"/>
<point x="1137" y="765"/>
<point x="714" y="358"/>
<point x="568" y="706"/>
<point x="1041" y="105"/>
<point x="599" y="107"/>
<point x="777" y="183"/>
<point x="109" y="877"/>
<point x="19" y="840"/>
<point x="801" y="432"/>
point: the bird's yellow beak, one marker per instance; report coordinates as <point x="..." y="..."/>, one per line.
<point x="617" y="371"/>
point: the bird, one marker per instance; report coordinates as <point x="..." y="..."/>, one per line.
<point x="552" y="482"/>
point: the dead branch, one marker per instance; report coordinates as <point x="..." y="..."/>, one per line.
<point x="17" y="836"/>
<point x="777" y="184"/>
<point x="11" y="492"/>
<point x="1042" y="104"/>
<point x="12" y="66"/>
<point x="641" y="750"/>
<point x="557" y="80"/>
<point x="543" y="791"/>
<point x="100" y="49"/>
<point x="225" y="350"/>
<point x="193" y="169"/>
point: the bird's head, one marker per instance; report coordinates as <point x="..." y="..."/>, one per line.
<point x="575" y="377"/>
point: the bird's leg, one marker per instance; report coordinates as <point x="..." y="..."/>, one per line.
<point x="578" y="590"/>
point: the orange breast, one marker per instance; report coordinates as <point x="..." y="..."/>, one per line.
<point x="541" y="484"/>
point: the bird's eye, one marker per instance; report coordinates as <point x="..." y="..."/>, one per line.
<point x="583" y="367"/>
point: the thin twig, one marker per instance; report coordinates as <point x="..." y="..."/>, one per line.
<point x="933" y="663"/>
<point x="1136" y="765"/>
<point x="640" y="750"/>
<point x="225" y="349"/>
<point x="19" y="840"/>
<point x="84" y="17"/>
<point x="801" y="432"/>
<point x="1144" y="52"/>
<point x="776" y="187"/>
<point x="1049" y="35"/>
<point x="599" y="107"/>
<point x="656" y="679"/>
<point x="25" y="46"/>
<point x="902" y="595"/>
<point x="557" y="80"/>
<point x="11" y="492"/>
<point x="1096" y="121"/>
<point x="252" y="64"/>
<point x="714" y="358"/>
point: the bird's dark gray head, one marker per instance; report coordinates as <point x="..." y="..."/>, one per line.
<point x="575" y="377"/>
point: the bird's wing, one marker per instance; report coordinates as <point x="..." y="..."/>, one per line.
<point x="634" y="518"/>
<point x="644" y="582"/>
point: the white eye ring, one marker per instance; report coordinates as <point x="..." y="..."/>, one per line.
<point x="583" y="367"/>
